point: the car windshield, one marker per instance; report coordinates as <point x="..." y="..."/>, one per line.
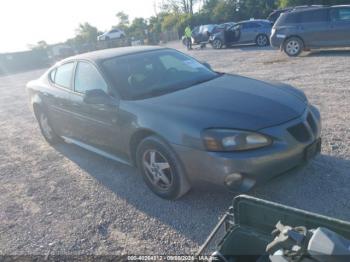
<point x="154" y="73"/>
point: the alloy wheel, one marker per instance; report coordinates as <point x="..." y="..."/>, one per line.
<point x="262" y="40"/>
<point x="157" y="169"/>
<point x="293" y="47"/>
<point x="217" y="44"/>
<point x="45" y="126"/>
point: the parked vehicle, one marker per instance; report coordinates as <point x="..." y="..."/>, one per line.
<point x="177" y="120"/>
<point x="245" y="32"/>
<point x="276" y="13"/>
<point x="312" y="29"/>
<point x="200" y="34"/>
<point x="112" y="34"/>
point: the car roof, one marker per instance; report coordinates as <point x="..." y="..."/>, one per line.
<point x="254" y="20"/>
<point x="315" y="8"/>
<point x="97" y="56"/>
<point x="308" y="9"/>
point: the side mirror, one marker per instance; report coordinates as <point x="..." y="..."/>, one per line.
<point x="207" y="65"/>
<point x="96" y="96"/>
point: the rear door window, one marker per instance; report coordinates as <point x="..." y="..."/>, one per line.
<point x="63" y="75"/>
<point x="340" y="14"/>
<point x="249" y="25"/>
<point x="314" y="16"/>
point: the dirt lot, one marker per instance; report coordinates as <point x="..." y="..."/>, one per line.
<point x="65" y="200"/>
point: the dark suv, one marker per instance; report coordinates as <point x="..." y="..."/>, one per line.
<point x="300" y="30"/>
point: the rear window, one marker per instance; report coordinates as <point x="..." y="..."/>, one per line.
<point x="310" y="16"/>
<point x="287" y="18"/>
<point x="340" y="14"/>
<point x="314" y="16"/>
<point x="250" y="25"/>
<point x="63" y="75"/>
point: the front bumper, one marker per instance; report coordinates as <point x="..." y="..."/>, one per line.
<point x="286" y="152"/>
<point x="277" y="40"/>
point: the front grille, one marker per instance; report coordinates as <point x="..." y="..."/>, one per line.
<point x="311" y="121"/>
<point x="299" y="132"/>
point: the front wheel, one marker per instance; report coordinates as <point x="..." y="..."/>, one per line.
<point x="217" y="44"/>
<point x="293" y="46"/>
<point x="161" y="169"/>
<point x="262" y="40"/>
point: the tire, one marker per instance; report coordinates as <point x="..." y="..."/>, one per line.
<point x="262" y="40"/>
<point x="45" y="127"/>
<point x="217" y="44"/>
<point x="163" y="174"/>
<point x="293" y="46"/>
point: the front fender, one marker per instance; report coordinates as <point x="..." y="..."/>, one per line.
<point x="171" y="126"/>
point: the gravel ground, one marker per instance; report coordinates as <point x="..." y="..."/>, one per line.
<point x="65" y="200"/>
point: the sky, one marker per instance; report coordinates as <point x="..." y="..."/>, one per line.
<point x="24" y="22"/>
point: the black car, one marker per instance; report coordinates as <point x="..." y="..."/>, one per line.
<point x="312" y="28"/>
<point x="200" y="34"/>
<point x="177" y="120"/>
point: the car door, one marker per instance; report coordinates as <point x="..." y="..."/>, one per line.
<point x="95" y="124"/>
<point x="58" y="98"/>
<point x="314" y="27"/>
<point x="340" y="26"/>
<point x="232" y="34"/>
<point x="249" y="31"/>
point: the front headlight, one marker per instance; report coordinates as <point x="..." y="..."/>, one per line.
<point x="220" y="140"/>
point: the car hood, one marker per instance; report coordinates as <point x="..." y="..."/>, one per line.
<point x="232" y="101"/>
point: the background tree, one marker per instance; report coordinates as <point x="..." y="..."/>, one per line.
<point x="177" y="6"/>
<point x="41" y="45"/>
<point x="123" y="21"/>
<point x="86" y="33"/>
<point x="138" y="28"/>
<point x="256" y="8"/>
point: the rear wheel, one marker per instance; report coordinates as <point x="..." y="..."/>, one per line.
<point x="262" y="40"/>
<point x="45" y="127"/>
<point x="217" y="44"/>
<point x="293" y="46"/>
<point x="161" y="169"/>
